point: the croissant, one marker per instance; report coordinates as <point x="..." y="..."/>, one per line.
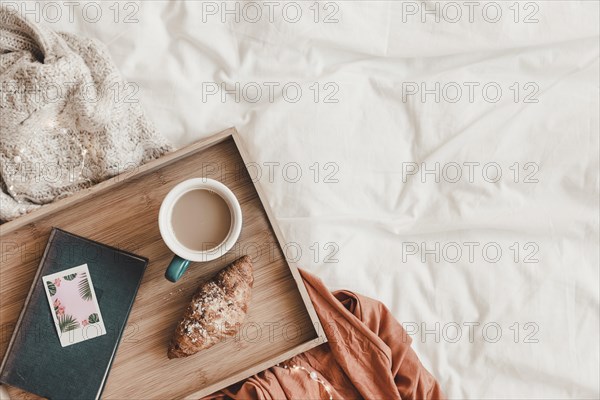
<point x="216" y="311"/>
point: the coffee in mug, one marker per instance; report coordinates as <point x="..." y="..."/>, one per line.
<point x="200" y="220"/>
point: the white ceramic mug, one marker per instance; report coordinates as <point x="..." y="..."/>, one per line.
<point x="184" y="255"/>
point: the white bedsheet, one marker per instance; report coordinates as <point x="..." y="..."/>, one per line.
<point x="370" y="140"/>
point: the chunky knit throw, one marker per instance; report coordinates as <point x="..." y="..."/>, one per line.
<point x="68" y="120"/>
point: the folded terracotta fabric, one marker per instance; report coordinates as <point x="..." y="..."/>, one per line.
<point x="368" y="356"/>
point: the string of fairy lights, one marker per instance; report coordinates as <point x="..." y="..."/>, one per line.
<point x="311" y="374"/>
<point x="74" y="176"/>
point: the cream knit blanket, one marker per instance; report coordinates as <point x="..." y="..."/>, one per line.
<point x="68" y="120"/>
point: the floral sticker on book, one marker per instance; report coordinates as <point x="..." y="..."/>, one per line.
<point x="74" y="306"/>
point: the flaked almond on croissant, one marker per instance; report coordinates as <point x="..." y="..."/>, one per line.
<point x="216" y="312"/>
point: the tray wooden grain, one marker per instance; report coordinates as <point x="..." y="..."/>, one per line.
<point x="123" y="212"/>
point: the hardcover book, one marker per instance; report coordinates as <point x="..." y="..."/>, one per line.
<point x="69" y="329"/>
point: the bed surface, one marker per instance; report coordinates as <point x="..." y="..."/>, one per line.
<point x="352" y="189"/>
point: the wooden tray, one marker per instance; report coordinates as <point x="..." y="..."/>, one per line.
<point x="123" y="212"/>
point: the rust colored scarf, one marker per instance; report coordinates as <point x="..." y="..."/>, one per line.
<point x="368" y="356"/>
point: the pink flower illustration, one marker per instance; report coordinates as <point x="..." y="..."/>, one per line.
<point x="84" y="322"/>
<point x="56" y="303"/>
<point x="57" y="282"/>
<point x="60" y="311"/>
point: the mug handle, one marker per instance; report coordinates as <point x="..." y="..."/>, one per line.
<point x="176" y="268"/>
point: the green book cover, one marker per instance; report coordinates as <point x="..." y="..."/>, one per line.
<point x="35" y="360"/>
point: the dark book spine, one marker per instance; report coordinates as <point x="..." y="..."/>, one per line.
<point x="3" y="366"/>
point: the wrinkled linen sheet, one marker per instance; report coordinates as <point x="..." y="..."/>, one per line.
<point x="493" y="273"/>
